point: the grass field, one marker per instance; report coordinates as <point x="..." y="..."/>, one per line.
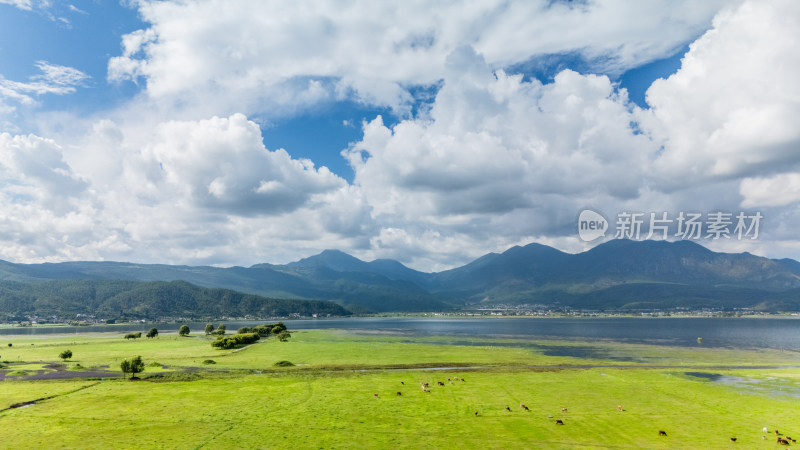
<point x="700" y="397"/>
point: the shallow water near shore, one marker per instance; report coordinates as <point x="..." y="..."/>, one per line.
<point x="776" y="333"/>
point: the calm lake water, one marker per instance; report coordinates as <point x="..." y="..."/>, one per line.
<point x="782" y="333"/>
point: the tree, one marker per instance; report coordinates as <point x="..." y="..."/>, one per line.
<point x="221" y="329"/>
<point x="209" y="328"/>
<point x="134" y="336"/>
<point x="184" y="330"/>
<point x="125" y="366"/>
<point x="65" y="355"/>
<point x="152" y="333"/>
<point x="134" y="366"/>
<point x="284" y="336"/>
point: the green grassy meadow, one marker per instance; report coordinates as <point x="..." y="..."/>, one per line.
<point x="327" y="400"/>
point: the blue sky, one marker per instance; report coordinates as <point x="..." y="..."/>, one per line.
<point x="189" y="132"/>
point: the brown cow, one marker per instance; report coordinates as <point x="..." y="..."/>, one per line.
<point x="375" y="395"/>
<point x="733" y="439"/>
<point x="619" y="407"/>
<point x="508" y="409"/>
<point x="476" y="413"/>
<point x="563" y="409"/>
<point x="399" y="393"/>
<point x="440" y="383"/>
<point x="522" y="405"/>
<point x="559" y="422"/>
<point x="662" y="433"/>
<point x="783" y="441"/>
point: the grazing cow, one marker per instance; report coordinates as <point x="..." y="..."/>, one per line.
<point x="783" y="441"/>
<point x="522" y="405"/>
<point x="765" y="430"/>
<point x="559" y="422"/>
<point x="733" y="439"/>
<point x="440" y="383"/>
<point x="662" y="433"/>
<point x="764" y="436"/>
<point x="476" y="413"/>
<point x="619" y="407"/>
<point x="399" y="393"/>
<point x="563" y="409"/>
<point x="508" y="409"/>
<point x="776" y="432"/>
<point x="375" y="395"/>
<point x="402" y="383"/>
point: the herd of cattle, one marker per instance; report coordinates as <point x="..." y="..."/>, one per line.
<point x="781" y="439"/>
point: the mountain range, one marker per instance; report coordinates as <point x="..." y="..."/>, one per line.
<point x="615" y="275"/>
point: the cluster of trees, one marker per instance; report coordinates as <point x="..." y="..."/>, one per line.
<point x="132" y="366"/>
<point x="264" y="330"/>
<point x="151" y="333"/>
<point x="220" y="329"/>
<point x="249" y="335"/>
<point x="237" y="340"/>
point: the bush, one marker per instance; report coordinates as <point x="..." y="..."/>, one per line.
<point x="65" y="355"/>
<point x="136" y="335"/>
<point x="172" y="376"/>
<point x="284" y="363"/>
<point x="209" y="361"/>
<point x="263" y="330"/>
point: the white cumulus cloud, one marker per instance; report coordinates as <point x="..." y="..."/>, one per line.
<point x="247" y="53"/>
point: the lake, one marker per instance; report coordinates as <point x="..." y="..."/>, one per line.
<point x="780" y="333"/>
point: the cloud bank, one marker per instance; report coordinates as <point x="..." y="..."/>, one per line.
<point x="181" y="174"/>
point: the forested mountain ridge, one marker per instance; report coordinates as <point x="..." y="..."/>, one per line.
<point x="618" y="274"/>
<point x="133" y="300"/>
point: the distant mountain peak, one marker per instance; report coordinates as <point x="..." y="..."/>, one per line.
<point x="332" y="259"/>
